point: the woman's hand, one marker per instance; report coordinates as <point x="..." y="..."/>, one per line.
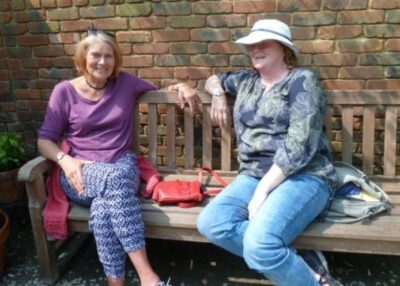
<point x="73" y="171"/>
<point x="259" y="196"/>
<point x="187" y="95"/>
<point x="220" y="114"/>
<point x="273" y="178"/>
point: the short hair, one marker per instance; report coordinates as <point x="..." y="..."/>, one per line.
<point x="289" y="57"/>
<point x="95" y="36"/>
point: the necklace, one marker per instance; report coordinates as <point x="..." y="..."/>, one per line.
<point x="95" y="87"/>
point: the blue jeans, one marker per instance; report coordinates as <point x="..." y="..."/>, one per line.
<point x="264" y="242"/>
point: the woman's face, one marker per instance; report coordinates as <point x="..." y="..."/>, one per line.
<point x="100" y="61"/>
<point x="266" y="54"/>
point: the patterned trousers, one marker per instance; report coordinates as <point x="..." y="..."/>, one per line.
<point x="111" y="191"/>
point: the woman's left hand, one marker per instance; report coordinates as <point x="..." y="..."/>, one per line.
<point x="187" y="95"/>
<point x="259" y="196"/>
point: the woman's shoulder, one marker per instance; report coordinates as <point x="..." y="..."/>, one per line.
<point x="304" y="72"/>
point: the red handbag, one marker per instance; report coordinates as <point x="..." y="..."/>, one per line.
<point x="185" y="194"/>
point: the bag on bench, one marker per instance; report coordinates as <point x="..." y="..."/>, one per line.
<point x="185" y="194"/>
<point x="356" y="198"/>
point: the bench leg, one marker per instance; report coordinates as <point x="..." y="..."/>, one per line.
<point x="46" y="252"/>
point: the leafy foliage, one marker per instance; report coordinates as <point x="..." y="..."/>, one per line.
<point x="12" y="151"/>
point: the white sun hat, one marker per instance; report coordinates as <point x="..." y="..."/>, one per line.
<point x="268" y="29"/>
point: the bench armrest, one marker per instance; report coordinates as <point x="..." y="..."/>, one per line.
<point x="32" y="173"/>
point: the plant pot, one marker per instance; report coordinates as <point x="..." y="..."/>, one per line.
<point x="11" y="190"/>
<point x="4" y="232"/>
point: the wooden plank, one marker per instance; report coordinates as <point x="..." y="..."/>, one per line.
<point x="226" y="149"/>
<point x="389" y="161"/>
<point x="189" y="138"/>
<point x="152" y="133"/>
<point x="207" y="137"/>
<point x="328" y="123"/>
<point x="347" y="134"/>
<point x="170" y="136"/>
<point x="367" y="143"/>
<point x="363" y="97"/>
<point x="136" y="130"/>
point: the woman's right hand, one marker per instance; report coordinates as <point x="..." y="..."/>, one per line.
<point x="220" y="114"/>
<point x="72" y="168"/>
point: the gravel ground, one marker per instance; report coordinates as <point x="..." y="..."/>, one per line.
<point x="186" y="263"/>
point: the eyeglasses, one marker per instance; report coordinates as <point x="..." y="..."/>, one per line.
<point x="95" y="32"/>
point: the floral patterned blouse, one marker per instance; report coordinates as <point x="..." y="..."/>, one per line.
<point x="282" y="125"/>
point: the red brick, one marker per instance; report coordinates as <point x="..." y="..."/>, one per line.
<point x="28" y="94"/>
<point x="215" y="7"/>
<point x="4" y="75"/>
<point x="134" y="36"/>
<point x="64" y="38"/>
<point x="327" y="72"/>
<point x="335" y="59"/>
<point x="223" y="48"/>
<point x="4" y="86"/>
<point x="75" y="26"/>
<point x="26" y="16"/>
<point x="63" y="14"/>
<point x="359" y="45"/>
<point x="64" y="3"/>
<point x="32" y="40"/>
<point x="188" y="48"/>
<point x="126" y="49"/>
<point x="303" y="33"/>
<point x="339" y="32"/>
<point x="315" y="47"/>
<point x="384" y="84"/>
<point x="177" y="35"/>
<point x="343" y="84"/>
<point x="346" y="5"/>
<point x="226" y="20"/>
<point x="5" y="17"/>
<point x="361" y="17"/>
<point x="156" y="72"/>
<point x="254" y="6"/>
<point x="151" y="48"/>
<point x="392" y="45"/>
<point x="299" y="5"/>
<point x="137" y="61"/>
<point x="144" y="23"/>
<point x="384" y="4"/>
<point x="188" y="73"/>
<point x="111" y="24"/>
<point x="25" y="74"/>
<point x="7" y="106"/>
<point x="15" y="64"/>
<point x="49" y="51"/>
<point x="37" y="63"/>
<point x="364" y="72"/>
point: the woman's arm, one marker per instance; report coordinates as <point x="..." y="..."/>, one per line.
<point x="220" y="113"/>
<point x="72" y="167"/>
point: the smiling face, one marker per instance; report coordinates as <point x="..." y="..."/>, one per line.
<point x="266" y="54"/>
<point x="100" y="61"/>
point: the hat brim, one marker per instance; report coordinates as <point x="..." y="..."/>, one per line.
<point x="261" y="36"/>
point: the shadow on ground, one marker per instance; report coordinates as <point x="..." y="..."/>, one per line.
<point x="188" y="264"/>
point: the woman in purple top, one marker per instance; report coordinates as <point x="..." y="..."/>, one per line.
<point x="93" y="112"/>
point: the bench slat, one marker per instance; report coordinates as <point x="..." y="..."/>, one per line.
<point x="207" y="137"/>
<point x="170" y="136"/>
<point x="189" y="139"/>
<point x="389" y="161"/>
<point x="367" y="143"/>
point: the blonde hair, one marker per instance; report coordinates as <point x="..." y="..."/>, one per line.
<point x="93" y="37"/>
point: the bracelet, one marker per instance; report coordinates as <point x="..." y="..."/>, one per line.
<point x="60" y="156"/>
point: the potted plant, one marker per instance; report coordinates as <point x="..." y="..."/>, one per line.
<point x="12" y="157"/>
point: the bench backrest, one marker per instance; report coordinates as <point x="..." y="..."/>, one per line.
<point x="361" y="124"/>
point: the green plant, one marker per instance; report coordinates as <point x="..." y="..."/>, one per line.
<point x="12" y="151"/>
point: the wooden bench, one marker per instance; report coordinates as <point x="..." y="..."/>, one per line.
<point x="362" y="124"/>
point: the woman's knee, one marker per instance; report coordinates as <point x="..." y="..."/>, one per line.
<point x="263" y="254"/>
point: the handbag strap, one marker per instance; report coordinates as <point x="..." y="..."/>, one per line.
<point x="214" y="174"/>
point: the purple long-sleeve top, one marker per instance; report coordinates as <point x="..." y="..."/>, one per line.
<point x="95" y="130"/>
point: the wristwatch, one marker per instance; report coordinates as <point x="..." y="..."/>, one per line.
<point x="218" y="93"/>
<point x="60" y="156"/>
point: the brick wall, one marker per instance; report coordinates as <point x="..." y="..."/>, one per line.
<point x="353" y="44"/>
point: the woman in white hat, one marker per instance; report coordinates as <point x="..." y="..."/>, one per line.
<point x="286" y="176"/>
